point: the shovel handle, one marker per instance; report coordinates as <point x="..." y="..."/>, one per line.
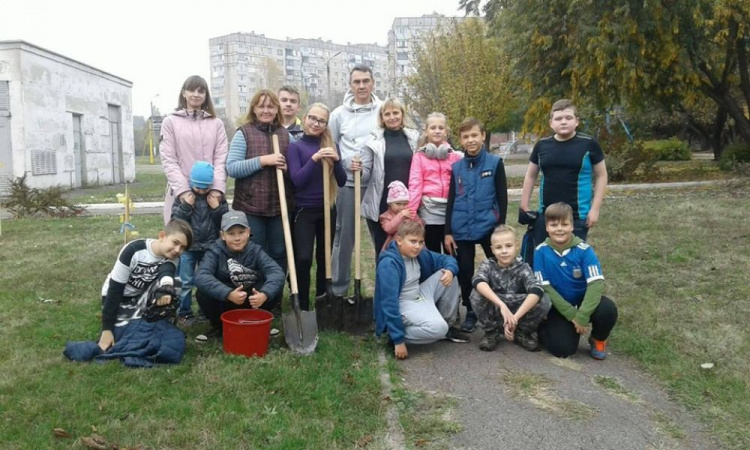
<point x="357" y="223"/>
<point x="285" y="220"/>
<point x="327" y="214"/>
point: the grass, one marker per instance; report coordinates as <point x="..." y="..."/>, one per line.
<point x="211" y="400"/>
<point x="676" y="263"/>
<point x="539" y="391"/>
<point x="614" y="386"/>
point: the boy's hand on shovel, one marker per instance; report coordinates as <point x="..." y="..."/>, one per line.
<point x="257" y="299"/>
<point x="237" y="296"/>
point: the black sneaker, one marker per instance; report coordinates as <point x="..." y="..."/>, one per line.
<point x="186" y="321"/>
<point x="201" y="318"/>
<point x="470" y="322"/>
<point x="489" y="341"/>
<point x="211" y="335"/>
<point x="456" y="336"/>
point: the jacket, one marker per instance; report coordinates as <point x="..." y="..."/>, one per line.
<point x="138" y="344"/>
<point x="350" y="126"/>
<point x="475" y="209"/>
<point x="212" y="277"/>
<point x="373" y="170"/>
<point x="186" y="139"/>
<point x="204" y="221"/>
<point x="430" y="178"/>
<point x="391" y="268"/>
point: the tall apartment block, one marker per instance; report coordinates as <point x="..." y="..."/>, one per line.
<point x="242" y="63"/>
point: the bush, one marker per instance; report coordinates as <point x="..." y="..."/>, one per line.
<point x="26" y="201"/>
<point x="668" y="149"/>
<point x="625" y="158"/>
<point x="734" y="155"/>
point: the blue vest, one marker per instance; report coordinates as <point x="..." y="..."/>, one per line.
<point x="475" y="209"/>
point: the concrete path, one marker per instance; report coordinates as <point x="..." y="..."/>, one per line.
<point x="515" y="399"/>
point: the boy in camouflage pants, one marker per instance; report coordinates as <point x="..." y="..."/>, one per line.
<point x="507" y="297"/>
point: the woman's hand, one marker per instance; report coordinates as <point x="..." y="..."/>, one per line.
<point x="327" y="152"/>
<point x="188" y="197"/>
<point x="274" y="160"/>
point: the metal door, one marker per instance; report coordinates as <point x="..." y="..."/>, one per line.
<point x="115" y="143"/>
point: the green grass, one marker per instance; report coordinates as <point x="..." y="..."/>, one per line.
<point x="211" y="400"/>
<point x="539" y="391"/>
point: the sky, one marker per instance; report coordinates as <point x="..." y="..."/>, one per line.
<point x="158" y="44"/>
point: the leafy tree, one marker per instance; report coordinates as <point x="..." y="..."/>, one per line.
<point x="461" y="71"/>
<point x="273" y="75"/>
<point x="678" y="53"/>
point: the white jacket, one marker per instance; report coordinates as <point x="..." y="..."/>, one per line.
<point x="373" y="170"/>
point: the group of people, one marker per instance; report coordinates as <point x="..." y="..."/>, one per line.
<point x="419" y="192"/>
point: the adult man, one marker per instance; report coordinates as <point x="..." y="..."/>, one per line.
<point x="351" y="124"/>
<point x="289" y="99"/>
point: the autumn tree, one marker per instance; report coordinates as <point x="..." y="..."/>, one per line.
<point x="461" y="71"/>
<point x="272" y="74"/>
<point x="677" y="53"/>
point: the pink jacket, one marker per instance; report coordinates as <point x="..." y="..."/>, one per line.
<point x="390" y="223"/>
<point x="186" y="139"/>
<point x="430" y="177"/>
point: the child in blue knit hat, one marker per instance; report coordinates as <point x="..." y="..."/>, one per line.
<point x="203" y="213"/>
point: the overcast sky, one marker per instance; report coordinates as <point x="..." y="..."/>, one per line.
<point x="157" y="44"/>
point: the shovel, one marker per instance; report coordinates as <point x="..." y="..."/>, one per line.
<point x="358" y="313"/>
<point x="300" y="327"/>
<point x="328" y="307"/>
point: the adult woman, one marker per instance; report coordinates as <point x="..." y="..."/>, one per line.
<point x="305" y="159"/>
<point x="386" y="157"/>
<point x="253" y="164"/>
<point x="192" y="133"/>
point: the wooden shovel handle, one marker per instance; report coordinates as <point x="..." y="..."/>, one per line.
<point x="327" y="213"/>
<point x="285" y="221"/>
<point x="357" y="223"/>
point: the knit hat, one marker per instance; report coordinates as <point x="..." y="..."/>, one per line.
<point x="201" y="175"/>
<point x="397" y="192"/>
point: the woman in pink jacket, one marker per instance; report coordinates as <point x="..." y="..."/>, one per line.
<point x="192" y="133"/>
<point x="430" y="177"/>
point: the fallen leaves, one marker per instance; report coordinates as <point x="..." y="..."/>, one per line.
<point x="60" y="433"/>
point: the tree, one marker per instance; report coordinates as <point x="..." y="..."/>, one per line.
<point x="273" y="75"/>
<point x="676" y="53"/>
<point x="462" y="72"/>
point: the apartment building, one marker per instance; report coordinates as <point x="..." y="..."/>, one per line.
<point x="242" y="63"/>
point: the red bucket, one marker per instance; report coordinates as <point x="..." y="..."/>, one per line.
<point x="247" y="331"/>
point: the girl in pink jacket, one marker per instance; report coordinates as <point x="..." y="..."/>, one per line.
<point x="192" y="133"/>
<point x="430" y="177"/>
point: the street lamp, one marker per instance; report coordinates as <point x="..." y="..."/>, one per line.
<point x="328" y="74"/>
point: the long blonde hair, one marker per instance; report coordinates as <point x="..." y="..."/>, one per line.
<point x="326" y="140"/>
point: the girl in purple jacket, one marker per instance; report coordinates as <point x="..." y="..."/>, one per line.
<point x="305" y="158"/>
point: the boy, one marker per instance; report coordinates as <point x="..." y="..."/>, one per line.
<point x="477" y="203"/>
<point x="140" y="264"/>
<point x="415" y="292"/>
<point x="507" y="295"/>
<point x="235" y="274"/>
<point x="203" y="212"/>
<point x="570" y="163"/>
<point x="572" y="276"/>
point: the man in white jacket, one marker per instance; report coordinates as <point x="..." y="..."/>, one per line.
<point x="351" y="124"/>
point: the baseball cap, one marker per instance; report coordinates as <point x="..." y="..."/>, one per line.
<point x="232" y="218"/>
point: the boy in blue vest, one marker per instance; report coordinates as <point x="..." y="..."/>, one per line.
<point x="572" y="276"/>
<point x="415" y="292"/>
<point x="477" y="203"/>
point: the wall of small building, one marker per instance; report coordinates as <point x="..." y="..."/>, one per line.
<point x="48" y="93"/>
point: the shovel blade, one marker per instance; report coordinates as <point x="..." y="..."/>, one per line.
<point x="300" y="329"/>
<point x="329" y="310"/>
<point x="358" y="315"/>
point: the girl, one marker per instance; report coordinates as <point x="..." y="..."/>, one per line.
<point x="430" y="178"/>
<point x="305" y="169"/>
<point x="390" y="220"/>
<point x="253" y="163"/>
<point x="386" y="157"/>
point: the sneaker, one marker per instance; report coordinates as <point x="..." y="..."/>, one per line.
<point x="489" y="341"/>
<point x="274" y="332"/>
<point x="201" y="318"/>
<point x="210" y="335"/>
<point x="529" y="341"/>
<point x="186" y="321"/>
<point x="598" y="349"/>
<point x="456" y="336"/>
<point x="470" y="322"/>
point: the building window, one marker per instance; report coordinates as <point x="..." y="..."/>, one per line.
<point x="280" y="52"/>
<point x="401" y="44"/>
<point x="402" y="56"/>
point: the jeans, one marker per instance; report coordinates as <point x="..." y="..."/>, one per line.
<point x="188" y="261"/>
<point x="268" y="233"/>
<point x="466" y="252"/>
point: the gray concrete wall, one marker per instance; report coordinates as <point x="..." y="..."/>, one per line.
<point x="46" y="90"/>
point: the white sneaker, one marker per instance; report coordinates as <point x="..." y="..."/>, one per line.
<point x="274" y="332"/>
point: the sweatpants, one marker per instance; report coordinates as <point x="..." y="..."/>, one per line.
<point x="213" y="309"/>
<point x="426" y="318"/>
<point x="309" y="233"/>
<point x="559" y="337"/>
<point x="343" y="242"/>
<point x="491" y="320"/>
<point x="465" y="257"/>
